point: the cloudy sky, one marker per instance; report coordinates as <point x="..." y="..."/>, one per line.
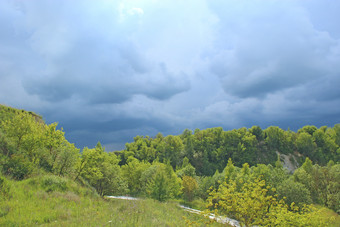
<point x="110" y="70"/>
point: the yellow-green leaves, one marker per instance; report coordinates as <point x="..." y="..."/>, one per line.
<point x="253" y="203"/>
<point x="189" y="187"/>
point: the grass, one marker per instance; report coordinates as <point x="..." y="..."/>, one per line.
<point x="55" y="201"/>
<point x="333" y="216"/>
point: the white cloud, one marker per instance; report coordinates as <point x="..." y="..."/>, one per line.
<point x="136" y="11"/>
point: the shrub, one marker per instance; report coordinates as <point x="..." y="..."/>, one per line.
<point x="52" y="183"/>
<point x="4" y="188"/>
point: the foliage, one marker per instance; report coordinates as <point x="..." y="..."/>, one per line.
<point x="204" y="161"/>
<point x="132" y="173"/>
<point x="189" y="187"/>
<point x="294" y="192"/>
<point x="27" y="145"/>
<point x="322" y="182"/>
<point x="102" y="171"/>
<point x="186" y="169"/>
<point x="208" y="150"/>
<point x="4" y="188"/>
<point x="161" y="182"/>
<point x="254" y="204"/>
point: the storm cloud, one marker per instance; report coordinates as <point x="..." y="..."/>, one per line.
<point x="110" y="70"/>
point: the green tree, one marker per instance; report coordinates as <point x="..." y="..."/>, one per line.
<point x="254" y="204"/>
<point x="294" y="192"/>
<point x="132" y="172"/>
<point x="102" y="171"/>
<point x="161" y="182"/>
<point x="305" y="144"/>
<point x="186" y="169"/>
<point x="65" y="162"/>
<point x="189" y="187"/>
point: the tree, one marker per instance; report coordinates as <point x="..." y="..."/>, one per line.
<point x="294" y="192"/>
<point x="161" y="182"/>
<point x="65" y="162"/>
<point x="157" y="187"/>
<point x="132" y="172"/>
<point x="305" y="144"/>
<point x="172" y="150"/>
<point x="189" y="187"/>
<point x="229" y="170"/>
<point x="257" y="131"/>
<point x="249" y="205"/>
<point x="279" y="140"/>
<point x="102" y="171"/>
<point x="254" y="204"/>
<point x="186" y="169"/>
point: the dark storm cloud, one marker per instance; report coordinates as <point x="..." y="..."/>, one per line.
<point x="108" y="85"/>
<point x="110" y="70"/>
<point x="112" y="125"/>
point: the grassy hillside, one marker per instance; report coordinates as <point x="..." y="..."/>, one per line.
<point x="7" y="112"/>
<point x="55" y="201"/>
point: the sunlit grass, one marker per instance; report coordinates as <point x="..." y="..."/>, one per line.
<point x="29" y="204"/>
<point x="55" y="201"/>
<point x="333" y="216"/>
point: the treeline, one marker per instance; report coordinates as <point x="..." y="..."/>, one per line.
<point x="208" y="150"/>
<point x="189" y="166"/>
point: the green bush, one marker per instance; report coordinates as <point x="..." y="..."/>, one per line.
<point x="294" y="192"/>
<point x="4" y="210"/>
<point x="52" y="183"/>
<point x="4" y="188"/>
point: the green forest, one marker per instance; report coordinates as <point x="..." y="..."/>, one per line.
<point x="264" y="177"/>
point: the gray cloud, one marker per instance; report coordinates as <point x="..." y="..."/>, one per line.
<point x="99" y="64"/>
<point x="110" y="70"/>
<point x="265" y="49"/>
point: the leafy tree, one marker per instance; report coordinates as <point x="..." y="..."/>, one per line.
<point x="186" y="169"/>
<point x="102" y="171"/>
<point x="294" y="192"/>
<point x="230" y="170"/>
<point x="65" y="163"/>
<point x="322" y="182"/>
<point x="258" y="132"/>
<point x="161" y="182"/>
<point x="305" y="144"/>
<point x="205" y="185"/>
<point x="132" y="172"/>
<point x="249" y="205"/>
<point x="254" y="204"/>
<point x="310" y="129"/>
<point x="326" y="147"/>
<point x="172" y="150"/>
<point x="279" y="140"/>
<point x="189" y="187"/>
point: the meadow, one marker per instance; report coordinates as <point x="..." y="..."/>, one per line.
<point x="56" y="201"/>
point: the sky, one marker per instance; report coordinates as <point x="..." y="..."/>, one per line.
<point x="111" y="70"/>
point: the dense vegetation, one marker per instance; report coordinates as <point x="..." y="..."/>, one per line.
<point x="220" y="168"/>
<point x="209" y="150"/>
